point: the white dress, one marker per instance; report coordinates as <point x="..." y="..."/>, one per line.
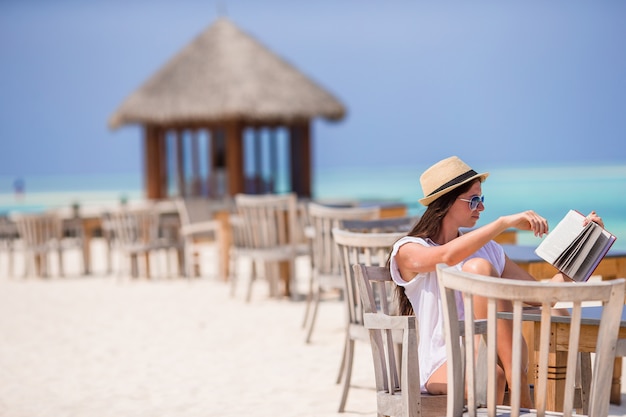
<point x="423" y="293"/>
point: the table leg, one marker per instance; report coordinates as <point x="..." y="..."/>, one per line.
<point x="89" y="227"/>
<point x="616" y="386"/>
<point x="225" y="241"/>
<point x="557" y="363"/>
<point x="86" y="254"/>
<point x="285" y="276"/>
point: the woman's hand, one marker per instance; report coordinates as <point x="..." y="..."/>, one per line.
<point x="593" y="217"/>
<point x="528" y="220"/>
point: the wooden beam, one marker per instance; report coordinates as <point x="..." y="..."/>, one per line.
<point x="234" y="157"/>
<point x="195" y="163"/>
<point x="162" y="145"/>
<point x="210" y="162"/>
<point x="300" y="161"/>
<point x="180" y="163"/>
<point x="273" y="154"/>
<point x="152" y="163"/>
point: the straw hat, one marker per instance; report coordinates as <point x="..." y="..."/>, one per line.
<point x="445" y="176"/>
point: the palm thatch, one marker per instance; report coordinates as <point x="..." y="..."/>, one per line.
<point x="225" y="74"/>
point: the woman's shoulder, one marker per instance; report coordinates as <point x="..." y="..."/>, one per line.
<point x="410" y="239"/>
<point x="413" y="239"/>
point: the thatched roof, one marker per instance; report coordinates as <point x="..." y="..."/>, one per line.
<point x="226" y="74"/>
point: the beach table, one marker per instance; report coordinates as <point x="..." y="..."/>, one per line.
<point x="612" y="266"/>
<point x="559" y="334"/>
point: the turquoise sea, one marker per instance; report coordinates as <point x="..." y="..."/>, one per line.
<point x="550" y="191"/>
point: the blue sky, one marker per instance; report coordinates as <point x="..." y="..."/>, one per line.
<point x="498" y="83"/>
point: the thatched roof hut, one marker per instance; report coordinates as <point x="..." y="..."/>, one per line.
<point x="223" y="86"/>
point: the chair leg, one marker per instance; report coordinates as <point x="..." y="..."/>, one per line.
<point x="348" y="375"/>
<point x="109" y="255"/>
<point x="168" y="263"/>
<point x="146" y="256"/>
<point x="316" y="303"/>
<point x="342" y="366"/>
<point x="273" y="273"/>
<point x="583" y="374"/>
<point x="33" y="267"/>
<point x="253" y="277"/>
<point x="11" y="261"/>
<point x="134" y="265"/>
<point x="180" y="258"/>
<point x="189" y="261"/>
<point x="232" y="271"/>
<point x="30" y="266"/>
<point x="309" y="299"/>
<point x="42" y="265"/>
<point x="61" y="266"/>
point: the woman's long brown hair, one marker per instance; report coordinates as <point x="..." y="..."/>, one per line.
<point x="428" y="226"/>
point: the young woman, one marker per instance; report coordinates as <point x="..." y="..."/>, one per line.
<point x="453" y="197"/>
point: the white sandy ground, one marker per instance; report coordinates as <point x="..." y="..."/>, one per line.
<point x="102" y="346"/>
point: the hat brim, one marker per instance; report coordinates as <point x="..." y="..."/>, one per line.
<point x="429" y="199"/>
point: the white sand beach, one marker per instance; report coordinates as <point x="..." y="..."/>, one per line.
<point x="102" y="345"/>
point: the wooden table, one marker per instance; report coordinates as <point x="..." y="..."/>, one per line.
<point x="559" y="344"/>
<point x="612" y="266"/>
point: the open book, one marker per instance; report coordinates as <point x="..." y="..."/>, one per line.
<point x="573" y="249"/>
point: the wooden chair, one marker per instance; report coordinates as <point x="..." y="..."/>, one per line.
<point x="358" y="248"/>
<point x="42" y="235"/>
<point x="397" y="379"/>
<point x="326" y="273"/>
<point x="199" y="229"/>
<point x="462" y="379"/>
<point x="271" y="237"/>
<point x="137" y="234"/>
<point x="8" y="237"/>
<point x="238" y="251"/>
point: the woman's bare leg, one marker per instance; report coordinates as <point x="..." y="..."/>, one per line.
<point x="438" y="382"/>
<point x="504" y="329"/>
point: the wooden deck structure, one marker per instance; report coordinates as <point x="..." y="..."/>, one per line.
<point x="224" y="116"/>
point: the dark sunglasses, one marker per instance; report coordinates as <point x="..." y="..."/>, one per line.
<point x="474" y="201"/>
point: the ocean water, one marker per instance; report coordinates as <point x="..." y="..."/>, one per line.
<point x="550" y="191"/>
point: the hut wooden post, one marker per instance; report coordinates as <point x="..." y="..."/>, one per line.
<point x="234" y="157"/>
<point x="154" y="162"/>
<point x="180" y="161"/>
<point x="300" y="146"/>
<point x="196" y="185"/>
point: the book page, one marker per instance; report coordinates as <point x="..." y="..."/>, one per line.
<point x="584" y="256"/>
<point x="560" y="238"/>
<point x="564" y="261"/>
<point x="600" y="248"/>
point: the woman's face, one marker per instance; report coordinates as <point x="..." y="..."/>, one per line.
<point x="460" y="210"/>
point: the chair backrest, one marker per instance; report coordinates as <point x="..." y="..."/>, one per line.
<point x="452" y="281"/>
<point x="322" y="219"/>
<point x="269" y="220"/>
<point x="391" y="224"/>
<point x="361" y="248"/>
<point x="134" y="227"/>
<point x="40" y="229"/>
<point x="8" y="231"/>
<point x="397" y="379"/>
<point x="197" y="209"/>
